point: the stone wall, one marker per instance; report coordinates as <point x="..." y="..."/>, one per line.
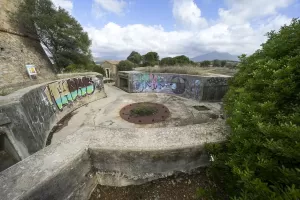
<point x="200" y="88"/>
<point x="34" y="111"/>
<point x="18" y="49"/>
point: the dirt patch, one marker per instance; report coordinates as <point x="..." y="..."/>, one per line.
<point x="177" y="187"/>
<point x="144" y="113"/>
<point x="60" y="125"/>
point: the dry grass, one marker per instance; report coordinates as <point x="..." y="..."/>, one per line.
<point x="193" y="70"/>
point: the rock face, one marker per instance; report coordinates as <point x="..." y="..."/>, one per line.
<point x="18" y="50"/>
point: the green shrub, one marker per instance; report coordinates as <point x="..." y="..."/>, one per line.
<point x="178" y="60"/>
<point x="125" y="65"/>
<point x="99" y="69"/>
<point x="261" y="159"/>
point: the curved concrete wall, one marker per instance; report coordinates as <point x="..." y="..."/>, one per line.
<point x="200" y="88"/>
<point x="32" y="112"/>
<point x="117" y="157"/>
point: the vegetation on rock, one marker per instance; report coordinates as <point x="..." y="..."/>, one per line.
<point x="143" y="110"/>
<point x="261" y="159"/>
<point x="58" y="31"/>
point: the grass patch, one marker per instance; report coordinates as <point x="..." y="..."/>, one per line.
<point x="143" y="110"/>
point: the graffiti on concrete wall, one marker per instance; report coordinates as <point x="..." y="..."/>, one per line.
<point x="216" y="81"/>
<point x="165" y="83"/>
<point x="66" y="91"/>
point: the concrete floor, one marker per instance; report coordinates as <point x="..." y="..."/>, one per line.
<point x="105" y="112"/>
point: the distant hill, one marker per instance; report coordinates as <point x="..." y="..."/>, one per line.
<point x="215" y="56"/>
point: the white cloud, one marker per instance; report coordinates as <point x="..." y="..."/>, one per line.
<point x="122" y="40"/>
<point x="66" y="4"/>
<point x="114" y="6"/>
<point x="187" y="13"/>
<point x="242" y="11"/>
<point x="240" y="29"/>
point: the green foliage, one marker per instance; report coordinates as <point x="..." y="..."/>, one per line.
<point x="223" y="63"/>
<point x="208" y="193"/>
<point x="143" y="110"/>
<point x="261" y="159"/>
<point x="168" y="61"/>
<point x="99" y="69"/>
<point x="91" y="67"/>
<point x="181" y="60"/>
<point x="205" y="63"/>
<point x="216" y="63"/>
<point x="58" y="31"/>
<point x="178" y="60"/>
<point x="125" y="65"/>
<point x="150" y="59"/>
<point x="135" y="58"/>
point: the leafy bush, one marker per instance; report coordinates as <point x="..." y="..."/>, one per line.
<point x="223" y="63"/>
<point x="135" y="58"/>
<point x="168" y="61"/>
<point x="261" y="159"/>
<point x="216" y="63"/>
<point x="150" y="59"/>
<point x="91" y="67"/>
<point x="125" y="65"/>
<point x="99" y="69"/>
<point x="205" y="63"/>
<point x="178" y="60"/>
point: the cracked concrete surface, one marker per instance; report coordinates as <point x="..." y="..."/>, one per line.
<point x="105" y="112"/>
<point x="98" y="147"/>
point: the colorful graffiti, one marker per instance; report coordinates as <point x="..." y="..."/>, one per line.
<point x="165" y="83"/>
<point x="66" y="91"/>
<point x="148" y="82"/>
<point x="217" y="81"/>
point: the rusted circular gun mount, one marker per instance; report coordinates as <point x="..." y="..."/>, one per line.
<point x="161" y="114"/>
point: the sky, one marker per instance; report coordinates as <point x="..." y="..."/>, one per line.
<point x="179" y="27"/>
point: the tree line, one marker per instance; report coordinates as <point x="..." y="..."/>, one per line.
<point x="135" y="59"/>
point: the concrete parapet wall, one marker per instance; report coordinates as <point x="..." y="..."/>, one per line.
<point x="200" y="88"/>
<point x="72" y="168"/>
<point x="35" y="110"/>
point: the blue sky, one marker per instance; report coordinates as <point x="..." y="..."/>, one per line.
<point x="175" y="27"/>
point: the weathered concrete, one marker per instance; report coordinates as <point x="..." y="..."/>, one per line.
<point x="200" y="88"/>
<point x="63" y="170"/>
<point x="18" y="50"/>
<point x="35" y="110"/>
<point x="98" y="147"/>
<point x="105" y="112"/>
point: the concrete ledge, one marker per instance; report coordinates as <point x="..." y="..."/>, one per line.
<point x="35" y="110"/>
<point x="118" y="156"/>
<point x="70" y="75"/>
